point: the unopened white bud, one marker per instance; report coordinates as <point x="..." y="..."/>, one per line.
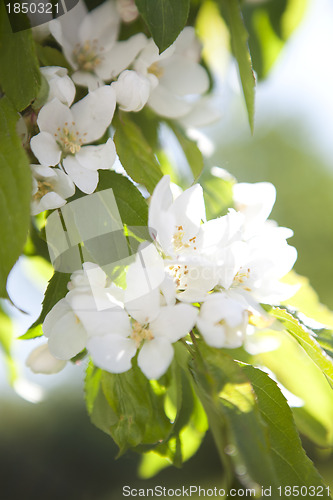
<point x="40" y="360"/>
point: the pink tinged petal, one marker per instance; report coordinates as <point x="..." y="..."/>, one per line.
<point x="97" y="157"/>
<point x="112" y="352"/>
<point x="155" y="357"/>
<point x="167" y="104"/>
<point x="45" y="148"/>
<point x="40" y="360"/>
<point x="183" y="77"/>
<point x="53" y="115"/>
<point x="86" y="79"/>
<point x="86" y="180"/>
<point x="213" y="335"/>
<point x="174" y="322"/>
<point x="93" y="114"/>
<point x="66" y="335"/>
<point x="120" y="56"/>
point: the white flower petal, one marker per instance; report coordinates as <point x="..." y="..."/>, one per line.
<point x="96" y="321"/>
<point x="165" y="103"/>
<point x="213" y="335"/>
<point x="132" y="90"/>
<point x="45" y="148"/>
<point x="60" y="85"/>
<point x="97" y="157"/>
<point x="53" y="115"/>
<point x="120" y="57"/>
<point x="86" y="79"/>
<point x="182" y="76"/>
<point x="189" y="210"/>
<point x="101" y="24"/>
<point x="93" y="114"/>
<point x="86" y="180"/>
<point x="112" y="352"/>
<point x="66" y="335"/>
<point x="155" y="357"/>
<point x="174" y="322"/>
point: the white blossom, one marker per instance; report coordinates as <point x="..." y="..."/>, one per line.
<point x="50" y="188"/>
<point x="78" y="316"/>
<point x="89" y="42"/>
<point x="65" y="133"/>
<point x="222" y="321"/>
<point x="40" y="360"/>
<point x="60" y="85"/>
<point x="154" y="326"/>
<point x="176" y="78"/>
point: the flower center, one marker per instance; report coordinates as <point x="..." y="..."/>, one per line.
<point x="179" y="244"/>
<point x="140" y="333"/>
<point x="241" y="277"/>
<point x="155" y="69"/>
<point x="68" y="139"/>
<point x="44" y="187"/>
<point x="88" y="55"/>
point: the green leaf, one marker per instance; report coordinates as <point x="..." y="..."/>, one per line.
<point x="234" y="417"/>
<point x="291" y="464"/>
<point x="218" y="194"/>
<point x="295" y="370"/>
<point x="15" y="192"/>
<point x="20" y="77"/>
<point x="233" y="16"/>
<point x="56" y="290"/>
<point x="49" y="56"/>
<point x="164" y="18"/>
<point x="6" y="338"/>
<point x="191" y="151"/>
<point x="135" y="154"/>
<point x="127" y="407"/>
<point x="132" y="206"/>
<point x="306" y="340"/>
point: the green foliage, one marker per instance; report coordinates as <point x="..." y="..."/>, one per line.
<point x="135" y="153"/>
<point x="20" y="77"/>
<point x="132" y="206"/>
<point x="6" y="339"/>
<point x="252" y="421"/>
<point x="290" y="462"/>
<point x="15" y="192"/>
<point x="164" y="18"/>
<point x="306" y="340"/>
<point x="239" y="36"/>
<point x="56" y="290"/>
<point x="127" y="407"/>
<point x="233" y="416"/>
<point x="191" y="151"/>
<point x="48" y="56"/>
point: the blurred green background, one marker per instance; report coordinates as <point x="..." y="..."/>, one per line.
<point x="50" y="451"/>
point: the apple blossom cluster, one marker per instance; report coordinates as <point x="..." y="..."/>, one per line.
<point x="129" y="74"/>
<point x="198" y="277"/>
